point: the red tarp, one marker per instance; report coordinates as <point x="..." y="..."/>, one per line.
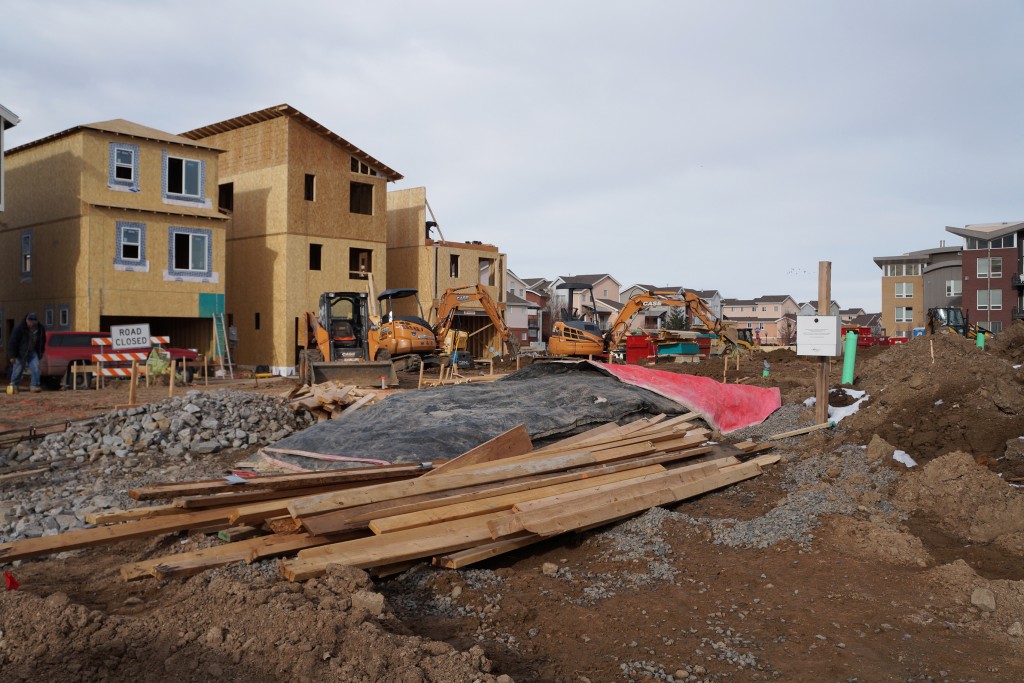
<point x="726" y="407"/>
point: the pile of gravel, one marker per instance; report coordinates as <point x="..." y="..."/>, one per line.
<point x="818" y="485"/>
<point x="95" y="463"/>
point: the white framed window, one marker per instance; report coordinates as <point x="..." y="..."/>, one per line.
<point x="48" y="316"/>
<point x="130" y="242"/>
<point x="904" y="290"/>
<point x="990" y="267"/>
<point x="985" y="300"/>
<point x="124" y="165"/>
<point x="190" y="255"/>
<point x="64" y="316"/>
<point x="904" y="314"/>
<point x="996" y="326"/>
<point x="26" y="254"/>
<point x="954" y="288"/>
<point x="184" y="179"/>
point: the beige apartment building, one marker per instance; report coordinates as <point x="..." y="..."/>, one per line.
<point x="308" y="215"/>
<point x="916" y="281"/>
<point x="114" y="223"/>
<point x="419" y="257"/>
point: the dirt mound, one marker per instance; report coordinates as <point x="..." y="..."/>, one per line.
<point x="879" y="542"/>
<point x="247" y="627"/>
<point x="966" y="500"/>
<point x="939" y="394"/>
<point x="999" y="604"/>
<point x="1009" y="343"/>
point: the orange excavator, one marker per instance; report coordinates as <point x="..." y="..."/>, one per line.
<point x="583" y="338"/>
<point x="455" y="298"/>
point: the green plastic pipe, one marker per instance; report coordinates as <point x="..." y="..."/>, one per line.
<point x="849" y="357"/>
<point x="980" y="342"/>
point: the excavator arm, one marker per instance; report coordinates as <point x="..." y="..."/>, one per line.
<point x="455" y="297"/>
<point x="694" y="305"/>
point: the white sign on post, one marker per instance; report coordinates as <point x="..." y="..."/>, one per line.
<point x="818" y="335"/>
<point x="130" y="337"/>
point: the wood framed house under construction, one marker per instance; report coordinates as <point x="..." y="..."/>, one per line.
<point x="114" y="223"/>
<point x="420" y="257"/>
<point x="308" y="212"/>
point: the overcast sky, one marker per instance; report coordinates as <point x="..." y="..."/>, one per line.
<point x="715" y="144"/>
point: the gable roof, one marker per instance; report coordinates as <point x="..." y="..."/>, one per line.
<point x="119" y="127"/>
<point x="280" y="110"/>
<point x="513" y="300"/>
<point x="774" y="298"/>
<point x="587" y="279"/>
<point x="867" y="319"/>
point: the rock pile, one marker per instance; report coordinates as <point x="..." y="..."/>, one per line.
<point x="197" y="422"/>
<point x="95" y="463"/>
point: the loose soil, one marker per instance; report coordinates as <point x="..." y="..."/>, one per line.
<point x="916" y="580"/>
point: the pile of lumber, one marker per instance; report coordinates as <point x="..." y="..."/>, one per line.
<point x="498" y="497"/>
<point x="329" y="400"/>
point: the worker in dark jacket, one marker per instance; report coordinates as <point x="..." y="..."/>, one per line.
<point x="25" y="348"/>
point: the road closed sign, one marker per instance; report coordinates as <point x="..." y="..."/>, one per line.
<point x="130" y="337"/>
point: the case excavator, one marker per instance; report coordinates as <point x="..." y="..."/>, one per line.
<point x="581" y="338"/>
<point x="454" y="298"/>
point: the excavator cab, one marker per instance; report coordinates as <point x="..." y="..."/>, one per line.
<point x="574" y="335"/>
<point x="403" y="335"/>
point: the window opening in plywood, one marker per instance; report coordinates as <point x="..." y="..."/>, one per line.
<point x="487" y="272"/>
<point x="360" y="262"/>
<point x="453" y="265"/>
<point x="361" y="198"/>
<point x="226" y="197"/>
<point x="310" y="187"/>
<point x="315" y="251"/>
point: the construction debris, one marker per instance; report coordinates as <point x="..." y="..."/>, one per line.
<point x="329" y="400"/>
<point x="498" y="497"/>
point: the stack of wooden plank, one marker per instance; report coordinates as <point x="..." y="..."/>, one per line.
<point x="329" y="400"/>
<point x="495" y="498"/>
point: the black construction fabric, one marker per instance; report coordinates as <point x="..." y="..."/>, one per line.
<point x="552" y="400"/>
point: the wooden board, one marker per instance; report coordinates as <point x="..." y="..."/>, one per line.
<point x="84" y="538"/>
<point x="464" y="558"/>
<point x="389" y="549"/>
<point x="496" y="503"/>
<point x="515" y="441"/>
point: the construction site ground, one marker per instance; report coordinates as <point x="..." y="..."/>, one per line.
<point x="838" y="564"/>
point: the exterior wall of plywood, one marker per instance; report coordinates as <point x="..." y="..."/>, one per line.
<point x="274" y="226"/>
<point x="69" y="211"/>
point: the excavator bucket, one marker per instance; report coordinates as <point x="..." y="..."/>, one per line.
<point x="357" y="373"/>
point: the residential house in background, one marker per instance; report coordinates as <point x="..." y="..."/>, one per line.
<point x="525" y="315"/>
<point x="811" y="308"/>
<point x="308" y="215"/>
<point x="605" y="302"/>
<point x="872" y="320"/>
<point x="114" y="223"/>
<point x="538" y="291"/>
<point x="916" y="281"/>
<point x="7" y="120"/>
<point x="846" y="315"/>
<point x="419" y="257"/>
<point x="991" y="271"/>
<point x="654" y="318"/>
<point x="772" y="317"/>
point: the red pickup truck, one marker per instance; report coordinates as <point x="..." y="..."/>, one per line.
<point x="65" y="349"/>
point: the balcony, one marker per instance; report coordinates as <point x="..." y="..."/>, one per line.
<point x="1017" y="280"/>
<point x="1017" y="314"/>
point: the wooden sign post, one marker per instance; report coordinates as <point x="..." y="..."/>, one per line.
<point x="824" y="362"/>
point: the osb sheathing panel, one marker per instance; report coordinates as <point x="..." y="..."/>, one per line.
<point x="54" y="268"/>
<point x="285" y="258"/>
<point x="43" y="183"/>
<point x="96" y="154"/>
<point x="121" y="293"/>
<point x="407" y="217"/>
<point x="328" y="215"/>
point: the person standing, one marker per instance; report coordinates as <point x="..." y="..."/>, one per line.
<point x="25" y="348"/>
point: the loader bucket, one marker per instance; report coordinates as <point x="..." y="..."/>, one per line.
<point x="357" y="374"/>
